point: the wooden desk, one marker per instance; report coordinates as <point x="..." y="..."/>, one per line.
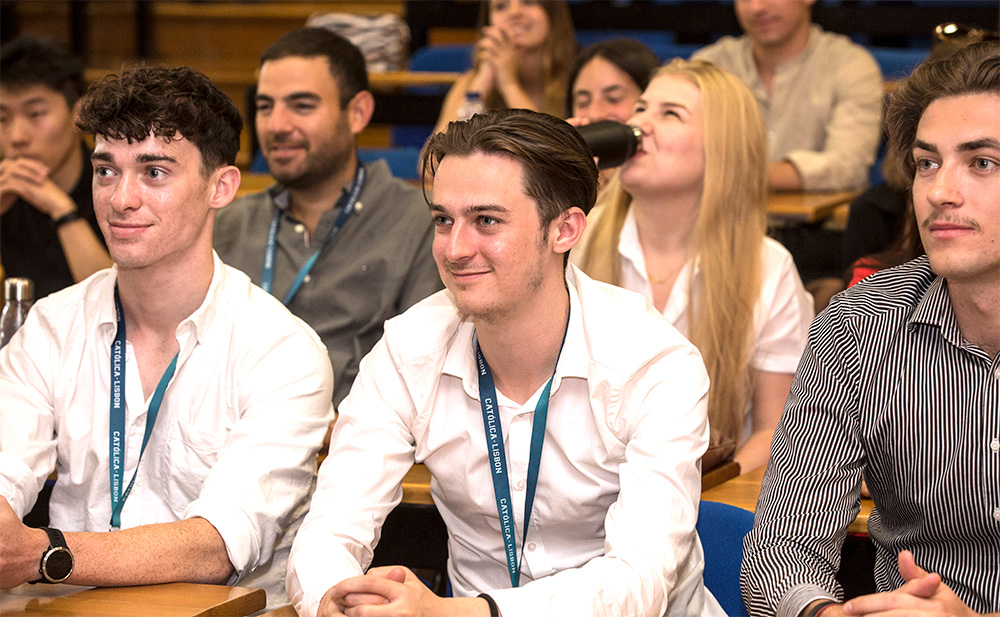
<point x="743" y="491"/>
<point x="806" y="207"/>
<point x="169" y="600"/>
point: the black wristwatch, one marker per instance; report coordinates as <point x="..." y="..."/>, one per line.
<point x="57" y="560"/>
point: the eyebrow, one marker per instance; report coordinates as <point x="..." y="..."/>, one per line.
<point x="966" y="146"/>
<point x="294" y="96"/>
<point x="475" y="209"/>
<point x="142" y="158"/>
<point x="664" y="105"/>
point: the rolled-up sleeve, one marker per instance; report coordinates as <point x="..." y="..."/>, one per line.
<point x="266" y="466"/>
<point x="810" y="492"/>
<point x="27" y="421"/>
<point x="359" y="483"/>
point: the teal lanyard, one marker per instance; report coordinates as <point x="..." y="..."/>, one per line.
<point x="117" y="426"/>
<point x="267" y="273"/>
<point x="498" y="458"/>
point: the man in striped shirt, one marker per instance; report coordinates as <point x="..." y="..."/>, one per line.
<point x="901" y="381"/>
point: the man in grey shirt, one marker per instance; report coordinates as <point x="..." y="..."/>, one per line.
<point x="345" y="246"/>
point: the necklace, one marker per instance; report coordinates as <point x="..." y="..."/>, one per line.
<point x="654" y="280"/>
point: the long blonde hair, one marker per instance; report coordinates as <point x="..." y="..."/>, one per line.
<point x="727" y="238"/>
<point x="560" y="50"/>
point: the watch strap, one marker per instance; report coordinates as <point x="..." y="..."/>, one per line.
<point x="56" y="537"/>
<point x="57" y="544"/>
<point x="69" y="217"/>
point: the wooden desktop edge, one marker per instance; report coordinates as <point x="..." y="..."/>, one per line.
<point x="140" y="601"/>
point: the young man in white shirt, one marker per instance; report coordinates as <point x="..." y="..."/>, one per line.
<point x="181" y="405"/>
<point x="590" y="396"/>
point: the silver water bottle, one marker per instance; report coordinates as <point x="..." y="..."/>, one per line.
<point x="19" y="293"/>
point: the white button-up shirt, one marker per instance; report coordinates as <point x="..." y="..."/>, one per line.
<point x="235" y="440"/>
<point x="612" y="531"/>
<point x="782" y="314"/>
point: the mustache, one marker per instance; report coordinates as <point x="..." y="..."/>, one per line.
<point x="949" y="219"/>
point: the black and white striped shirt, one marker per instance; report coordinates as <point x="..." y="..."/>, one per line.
<point x="887" y="386"/>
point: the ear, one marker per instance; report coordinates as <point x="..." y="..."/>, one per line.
<point x="566" y="229"/>
<point x="359" y="111"/>
<point x="225" y="182"/>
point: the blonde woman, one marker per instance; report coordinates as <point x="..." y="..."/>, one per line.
<point x="521" y="59"/>
<point x="683" y="223"/>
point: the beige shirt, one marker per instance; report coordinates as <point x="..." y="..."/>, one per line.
<point x="824" y="111"/>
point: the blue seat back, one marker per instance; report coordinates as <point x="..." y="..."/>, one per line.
<point x="721" y="528"/>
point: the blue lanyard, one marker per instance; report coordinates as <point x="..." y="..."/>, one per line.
<point x="267" y="275"/>
<point x="498" y="459"/>
<point x="116" y="442"/>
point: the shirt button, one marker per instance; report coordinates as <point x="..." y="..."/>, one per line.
<point x="996" y="515"/>
<point x="997" y="373"/>
<point x="307" y="278"/>
<point x="299" y="228"/>
<point x="531" y="545"/>
<point x="359" y="206"/>
<point x="995" y="445"/>
<point x="519" y="486"/>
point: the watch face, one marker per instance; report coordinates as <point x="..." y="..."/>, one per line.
<point x="57" y="564"/>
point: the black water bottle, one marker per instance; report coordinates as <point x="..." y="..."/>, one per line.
<point x="611" y="142"/>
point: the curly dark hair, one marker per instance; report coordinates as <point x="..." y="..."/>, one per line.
<point x="558" y="169"/>
<point x="27" y="61"/>
<point x="169" y="103"/>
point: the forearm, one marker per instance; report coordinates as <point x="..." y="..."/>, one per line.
<point x="755" y="451"/>
<point x="190" y="550"/>
<point x="782" y="176"/>
<point x="84" y="252"/>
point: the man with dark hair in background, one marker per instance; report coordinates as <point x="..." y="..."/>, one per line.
<point x="48" y="231"/>
<point x="183" y="405"/>
<point x="345" y="246"/>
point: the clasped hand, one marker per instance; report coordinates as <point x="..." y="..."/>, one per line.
<point x="924" y="594"/>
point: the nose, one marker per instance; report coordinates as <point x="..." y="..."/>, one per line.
<point x="276" y="121"/>
<point x="945" y="190"/>
<point x="457" y="245"/>
<point x="643" y="121"/>
<point x="18" y="131"/>
<point x="599" y="110"/>
<point x="124" y="195"/>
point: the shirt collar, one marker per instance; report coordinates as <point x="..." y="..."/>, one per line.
<point x="574" y="361"/>
<point x="934" y="309"/>
<point x="198" y="323"/>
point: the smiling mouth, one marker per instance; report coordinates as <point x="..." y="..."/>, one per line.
<point x="127" y="230"/>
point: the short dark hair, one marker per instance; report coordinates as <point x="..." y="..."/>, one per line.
<point x="165" y="102"/>
<point x="972" y="70"/>
<point x="27" y="61"/>
<point x="634" y="59"/>
<point x="347" y="64"/>
<point x="558" y="168"/>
